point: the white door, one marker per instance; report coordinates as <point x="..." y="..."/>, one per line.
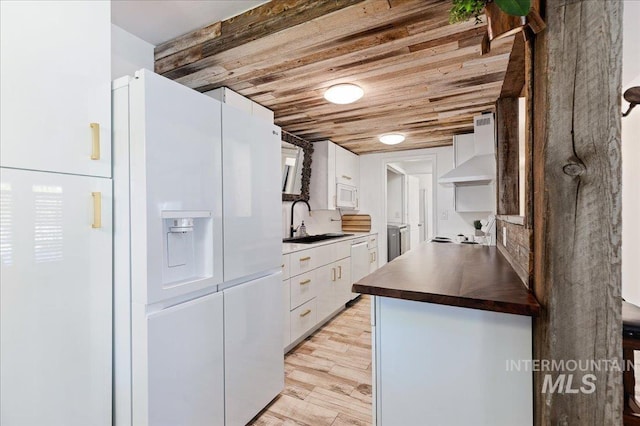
<point x="55" y="299"/>
<point x="254" y="364"/>
<point x="252" y="198"/>
<point x="55" y="80"/>
<point x="413" y="210"/>
<point x="185" y="365"/>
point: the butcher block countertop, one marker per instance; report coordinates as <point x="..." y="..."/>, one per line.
<point x="468" y="276"/>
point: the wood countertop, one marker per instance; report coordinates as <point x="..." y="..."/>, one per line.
<point x="469" y="276"/>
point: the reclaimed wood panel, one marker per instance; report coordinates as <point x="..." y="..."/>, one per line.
<point x="517" y="251"/>
<point x="577" y="200"/>
<point x="508" y="153"/>
<point x="422" y="76"/>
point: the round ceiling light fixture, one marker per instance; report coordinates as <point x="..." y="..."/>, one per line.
<point x="343" y="93"/>
<point x="391" y="138"/>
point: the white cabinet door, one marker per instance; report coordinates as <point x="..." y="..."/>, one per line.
<point x="55" y="80"/>
<point x="344" y="284"/>
<point x="185" y="365"/>
<point x="252" y="198"/>
<point x="254" y="363"/>
<point x="55" y="299"/>
<point x="286" y="328"/>
<point x="373" y="259"/>
<point x="347" y="167"/>
<point x="326" y="277"/>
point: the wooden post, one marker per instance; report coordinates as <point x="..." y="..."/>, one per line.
<point x="577" y="204"/>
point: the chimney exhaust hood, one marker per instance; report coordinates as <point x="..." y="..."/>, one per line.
<point x="481" y="168"/>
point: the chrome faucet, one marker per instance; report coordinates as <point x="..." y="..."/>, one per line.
<point x="292" y="230"/>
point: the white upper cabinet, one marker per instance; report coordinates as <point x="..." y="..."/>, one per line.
<point x="56" y="86"/>
<point x="335" y="177"/>
<point x="347" y="167"/>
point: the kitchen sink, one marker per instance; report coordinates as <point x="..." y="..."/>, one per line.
<point x="314" y="238"/>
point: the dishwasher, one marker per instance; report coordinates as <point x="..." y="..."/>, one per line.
<point x="359" y="262"/>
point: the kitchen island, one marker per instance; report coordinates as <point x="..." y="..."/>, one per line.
<point x="452" y="338"/>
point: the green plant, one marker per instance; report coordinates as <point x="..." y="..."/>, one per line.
<point x="463" y="10"/>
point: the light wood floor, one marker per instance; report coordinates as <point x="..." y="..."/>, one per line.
<point x="328" y="376"/>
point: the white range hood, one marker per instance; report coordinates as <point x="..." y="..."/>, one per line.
<point x="481" y="168"/>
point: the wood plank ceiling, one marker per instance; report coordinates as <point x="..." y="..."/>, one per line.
<point x="422" y="76"/>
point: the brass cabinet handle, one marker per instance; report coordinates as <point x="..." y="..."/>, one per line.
<point x="346" y="177"/>
<point x="339" y="272"/>
<point x="305" y="313"/>
<point x="97" y="210"/>
<point x="375" y="256"/>
<point x="304" y="259"/>
<point x="333" y="274"/>
<point x="95" y="141"/>
<point x="305" y="282"/>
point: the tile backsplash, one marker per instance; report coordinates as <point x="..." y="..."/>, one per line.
<point x="318" y="223"/>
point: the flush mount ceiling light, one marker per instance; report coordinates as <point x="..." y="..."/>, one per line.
<point x="343" y="93"/>
<point x="391" y="138"/>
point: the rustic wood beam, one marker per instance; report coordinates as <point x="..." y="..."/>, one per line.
<point x="507" y="151"/>
<point x="262" y="21"/>
<point x="577" y="199"/>
<point x="515" y="76"/>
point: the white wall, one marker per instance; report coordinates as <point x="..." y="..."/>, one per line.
<point x="631" y="157"/>
<point x="395" y="202"/>
<point x="128" y="53"/>
<point x="372" y="193"/>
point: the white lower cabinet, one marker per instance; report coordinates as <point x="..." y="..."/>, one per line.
<point x="319" y="286"/>
<point x="326" y="294"/>
<point x="344" y="283"/>
<point x="286" y="300"/>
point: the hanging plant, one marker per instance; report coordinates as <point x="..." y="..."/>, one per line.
<point x="463" y="10"/>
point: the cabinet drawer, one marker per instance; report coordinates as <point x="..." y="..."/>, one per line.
<point x="286" y="269"/>
<point x="307" y="260"/>
<point x="303" y="288"/>
<point x="372" y="242"/>
<point x="303" y="319"/>
<point x="342" y="250"/>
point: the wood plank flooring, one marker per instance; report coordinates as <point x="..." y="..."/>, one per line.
<point x="328" y="376"/>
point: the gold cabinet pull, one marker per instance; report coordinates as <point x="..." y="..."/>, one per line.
<point x="95" y="141"/>
<point x="304" y="259"/>
<point x="346" y="177"/>
<point x="305" y="282"/>
<point x="305" y="313"/>
<point x="333" y="274"/>
<point x="97" y="210"/>
<point x="339" y="272"/>
<point x="375" y="256"/>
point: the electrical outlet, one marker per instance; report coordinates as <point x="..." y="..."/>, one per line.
<point x="504" y="236"/>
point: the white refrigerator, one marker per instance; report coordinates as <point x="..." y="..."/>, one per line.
<point x="169" y="355"/>
<point x="253" y="322"/>
<point x="198" y="306"/>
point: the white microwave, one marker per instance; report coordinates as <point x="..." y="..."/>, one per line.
<point x="346" y="197"/>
